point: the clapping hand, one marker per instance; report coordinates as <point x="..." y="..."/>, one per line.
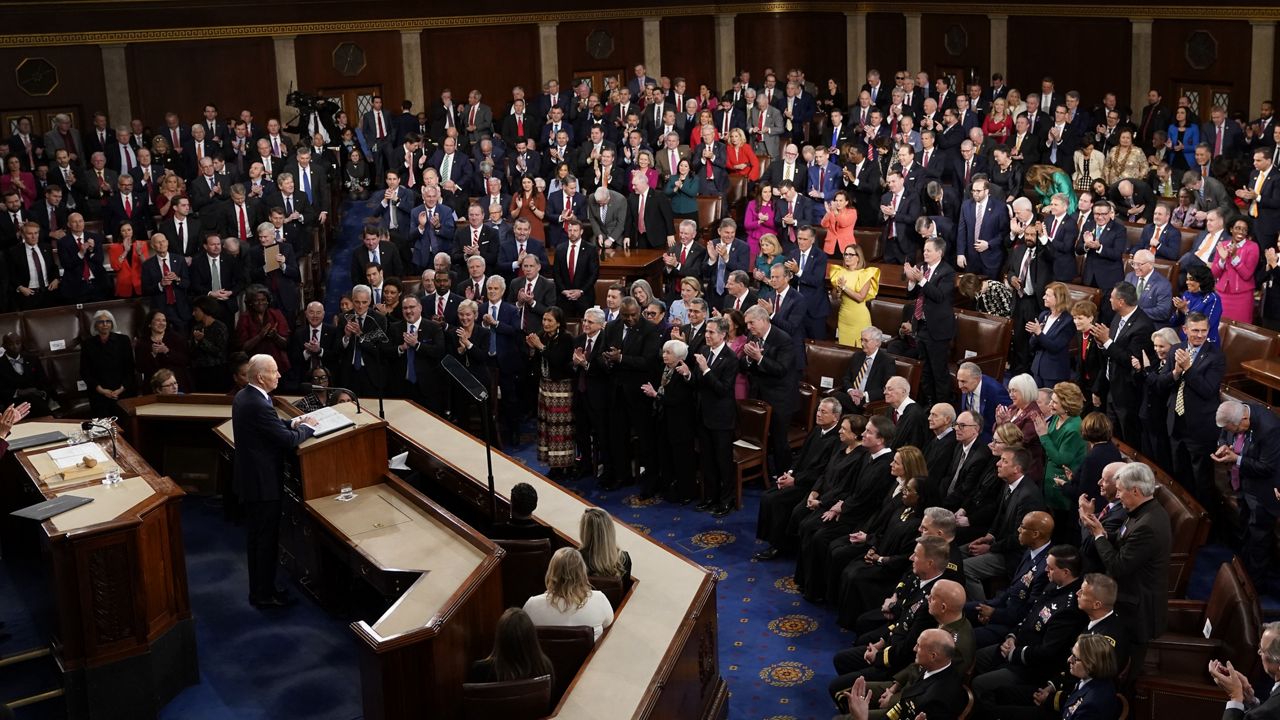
<point x="648" y="390"/>
<point x="860" y="698"/>
<point x="12" y="416"/>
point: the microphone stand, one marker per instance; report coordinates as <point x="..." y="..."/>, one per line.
<point x="480" y="394"/>
<point x="105" y="425"/>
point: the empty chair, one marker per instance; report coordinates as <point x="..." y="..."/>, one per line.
<point x="749" y="449"/>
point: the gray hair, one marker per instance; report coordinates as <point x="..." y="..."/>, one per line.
<point x="1231" y="412"/>
<point x="362" y="289"/>
<point x="601" y="194"/>
<point x="1167" y="334"/>
<point x="1138" y="477"/>
<point x="595" y="314"/>
<point x="677" y="348"/>
<point x="688" y="223"/>
<point x="871" y="332"/>
<point x="947" y="411"/>
<point x="496" y="280"/>
<point x="942" y="519"/>
<point x="104" y="315"/>
<point x="440" y="255"/>
<point x="900" y="383"/>
<point x="475" y="258"/>
<point x="284" y="176"/>
<point x="1023" y="204"/>
<point x="266" y="227"/>
<point x="720" y="323"/>
<point x="1025" y="385"/>
<point x="258" y="365"/>
<point x="1060" y="197"/>
<point x="757" y="312"/>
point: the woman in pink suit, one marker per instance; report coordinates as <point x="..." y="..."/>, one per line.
<point x="759" y="219"/>
<point x="1233" y="267"/>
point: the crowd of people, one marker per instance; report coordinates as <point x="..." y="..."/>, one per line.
<point x="905" y="505"/>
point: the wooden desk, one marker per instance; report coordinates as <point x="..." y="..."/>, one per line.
<point x="1265" y="371"/>
<point x="123" y="633"/>
<point x="629" y="265"/>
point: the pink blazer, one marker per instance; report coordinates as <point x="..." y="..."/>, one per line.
<point x="1235" y="274"/>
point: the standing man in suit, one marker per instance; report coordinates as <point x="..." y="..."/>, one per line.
<point x="861" y="178"/>
<point x="1160" y="237"/>
<point x="786" y="307"/>
<point x="216" y="276"/>
<point x="726" y="256"/>
<point x="765" y="125"/>
<point x="80" y="255"/>
<point x="787" y="168"/>
<point x="312" y="344"/>
<point x="1262" y="193"/>
<point x="932" y="287"/>
<point x="531" y="294"/>
<point x="576" y="270"/>
<point x="1155" y="294"/>
<point x="1223" y="135"/>
<point x="165" y="281"/>
<point x="419" y="347"/>
<point x="477" y="118"/>
<point x="33" y="274"/>
<point x="717" y="370"/>
<point x="1103" y="248"/>
<point x="379" y="134"/>
<point x="364" y="346"/>
<point x="1137" y="556"/>
<point x="808" y="265"/>
<point x="632" y="354"/>
<point x="899" y="207"/>
<point x="1192" y="378"/>
<point x="1248" y="448"/>
<point x="512" y="250"/>
<point x="1128" y="337"/>
<point x="708" y="163"/>
<point x="684" y="259"/>
<point x="608" y="217"/>
<point x="982" y="232"/>
<point x="980" y="394"/>
<point x="771" y="371"/>
<point x="649" y="218"/>
<point x="262" y="441"/>
<point x="564" y="205"/>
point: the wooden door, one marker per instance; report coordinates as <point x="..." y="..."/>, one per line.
<point x="596" y="79"/>
<point x="355" y="101"/>
<point x="1204" y="96"/>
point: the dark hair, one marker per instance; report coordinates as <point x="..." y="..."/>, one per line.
<point x="1068" y="558"/>
<point x="557" y="313"/>
<point x="206" y="305"/>
<point x="1019" y="457"/>
<point x="1203" y="275"/>
<point x="516" y="653"/>
<point x="524" y="500"/>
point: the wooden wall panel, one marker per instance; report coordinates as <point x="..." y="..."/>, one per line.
<point x="491" y="60"/>
<point x="383" y="64"/>
<point x="802" y="40"/>
<point x="886" y="49"/>
<point x="80" y="82"/>
<point x="974" y="53"/>
<point x="571" y="47"/>
<point x="1169" y="65"/>
<point x="1040" y="46"/>
<point x="241" y="75"/>
<point x="689" y="51"/>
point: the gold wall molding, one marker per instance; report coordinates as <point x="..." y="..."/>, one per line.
<point x="228" y="32"/>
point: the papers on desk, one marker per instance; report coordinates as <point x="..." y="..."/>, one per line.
<point x="329" y="420"/>
<point x="271" y="257"/>
<point x="66" y="458"/>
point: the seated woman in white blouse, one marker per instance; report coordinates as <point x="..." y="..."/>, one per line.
<point x="569" y="599"/>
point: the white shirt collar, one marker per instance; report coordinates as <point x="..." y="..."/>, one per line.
<point x="264" y="392"/>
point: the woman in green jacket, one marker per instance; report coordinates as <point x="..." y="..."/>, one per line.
<point x="1048" y="180"/>
<point x="682" y="188"/>
<point x="1064" y="447"/>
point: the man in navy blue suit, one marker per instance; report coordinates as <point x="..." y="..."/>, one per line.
<point x="1222" y="134"/>
<point x="262" y="441"/>
<point x="981" y="394"/>
<point x="513" y="249"/>
<point x="1103" y="248"/>
<point x="982" y="232"/>
<point x="1248" y="448"/>
<point x="727" y="254"/>
<point x="506" y="352"/>
<point x="808" y="265"/>
<point x="786" y="307"/>
<point x="1160" y="237"/>
<point x="1191" y="377"/>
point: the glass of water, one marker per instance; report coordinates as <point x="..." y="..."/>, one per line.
<point x="345" y="494"/>
<point x="112" y="477"/>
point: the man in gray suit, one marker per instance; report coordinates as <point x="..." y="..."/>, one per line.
<point x="764" y="124"/>
<point x="1209" y="192"/>
<point x="64" y="137"/>
<point x="1155" y="294"/>
<point x="477" y="118"/>
<point x="608" y="216"/>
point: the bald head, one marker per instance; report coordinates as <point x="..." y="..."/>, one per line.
<point x="1038" y="528"/>
<point x="946" y="601"/>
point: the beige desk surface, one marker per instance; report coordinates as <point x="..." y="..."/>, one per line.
<point x="195" y="411"/>
<point x="614" y="682"/>
<point x="396" y="535"/>
<point x="109" y="503"/>
<point x="27" y="429"/>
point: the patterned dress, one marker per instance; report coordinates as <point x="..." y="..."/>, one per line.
<point x="555" y="401"/>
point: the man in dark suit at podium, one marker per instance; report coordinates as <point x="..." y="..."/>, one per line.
<point x="262" y="439"/>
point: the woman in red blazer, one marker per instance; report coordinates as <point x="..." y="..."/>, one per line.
<point x="740" y="159"/>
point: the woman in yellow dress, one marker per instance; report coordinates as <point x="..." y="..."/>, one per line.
<point x="857" y="284"/>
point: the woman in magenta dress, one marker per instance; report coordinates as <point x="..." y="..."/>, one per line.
<point x="1233" y="267"/>
<point x="15" y="179"/>
<point x="759" y="218"/>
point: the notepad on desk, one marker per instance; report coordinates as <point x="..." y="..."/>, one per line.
<point x="329" y="421"/>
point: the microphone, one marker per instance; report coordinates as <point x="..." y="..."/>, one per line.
<point x="308" y="389"/>
<point x="106" y="425"/>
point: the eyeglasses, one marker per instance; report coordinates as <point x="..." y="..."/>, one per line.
<point x="1072" y="659"/>
<point x="169" y="384"/>
<point x="851" y="254"/>
<point x="965" y="425"/>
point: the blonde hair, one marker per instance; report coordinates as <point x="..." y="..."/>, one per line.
<point x="600" y="544"/>
<point x="738" y="137"/>
<point x="566" y="580"/>
<point x="1008" y="434"/>
<point x="772" y="240"/>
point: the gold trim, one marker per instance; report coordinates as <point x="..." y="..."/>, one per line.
<point x="1264" y="14"/>
<point x="17" y="76"/>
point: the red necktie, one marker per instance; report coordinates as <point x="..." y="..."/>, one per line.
<point x="520" y="125"/>
<point x="471" y="119"/>
<point x="822" y="179"/>
<point x="35" y="261"/>
<point x="573" y="260"/>
<point x="440" y="306"/>
<point x="169" y="295"/>
<point x="919" y="310"/>
<point x="568" y="211"/>
<point x="710" y="170"/>
<point x="244" y="225"/>
<point x="684" y="252"/>
<point x="1217" y="141"/>
<point x="84" y="272"/>
<point x="377" y="115"/>
<point x="128" y="207"/>
<point x="175" y="137"/>
<point x="925" y="163"/>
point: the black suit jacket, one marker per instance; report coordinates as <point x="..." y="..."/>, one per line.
<point x="19" y="276"/>
<point x="912" y="427"/>
<point x="1200" y="385"/>
<point x="1026" y="498"/>
<point x="1138" y="558"/>
<point x="716" y="403"/>
<point x="388" y="256"/>
<point x="882" y="368"/>
<point x="263" y="443"/>
<point x="938" y="292"/>
<point x="1132" y="341"/>
<point x="152" y="275"/>
<point x="299" y="362"/>
<point x="974" y="469"/>
<point x="941" y="695"/>
<point x="773" y="378"/>
<point x="426" y="357"/>
<point x="658" y="220"/>
<point x="193" y="236"/>
<point x="488" y="241"/>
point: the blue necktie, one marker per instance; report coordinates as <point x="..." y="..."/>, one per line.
<point x="410" y="369"/>
<point x="720" y="275"/>
<point x="493" y="331"/>
<point x="306" y="186"/>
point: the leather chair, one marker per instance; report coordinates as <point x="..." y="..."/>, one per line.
<point x="11" y="323"/>
<point x="765" y="161"/>
<point x="1169" y="269"/>
<point x="907" y="368"/>
<point x="511" y="700"/>
<point x="751" y="445"/>
<point x="1226" y="627"/>
<point x="892" y="281"/>
<point x="1084" y="292"/>
<point x="567" y="648"/>
<point x="602" y="289"/>
<point x="63" y="370"/>
<point x="610" y="586"/>
<point x="411" y="285"/>
<point x="968" y="706"/>
<point x="736" y="194"/>
<point x="524" y="569"/>
<point x="40" y="328"/>
<point x="710" y="210"/>
<point x="1241" y="341"/>
<point x="1132" y="233"/>
<point x="1188" y="520"/>
<point x="1186" y="241"/>
<point x="803" y="420"/>
<point x="871" y="243"/>
<point x="93" y="226"/>
<point x="825" y="359"/>
<point x="987" y="335"/>
<point x="886" y="313"/>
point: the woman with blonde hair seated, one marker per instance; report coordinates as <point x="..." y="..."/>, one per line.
<point x="569" y="599"/>
<point x="599" y="548"/>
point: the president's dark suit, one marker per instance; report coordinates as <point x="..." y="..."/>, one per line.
<point x="263" y="442"/>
